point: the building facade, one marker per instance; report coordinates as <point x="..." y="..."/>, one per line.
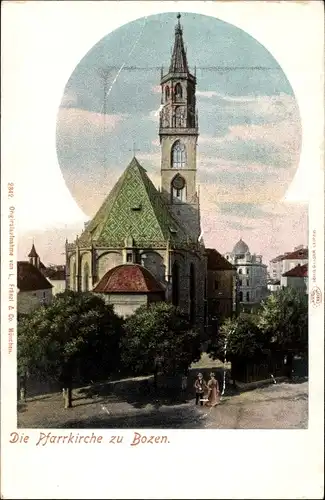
<point x="283" y="263"/>
<point x="252" y="275"/>
<point x="296" y="278"/>
<point x="33" y="289"/>
<point x="222" y="296"/>
<point x="139" y="225"/>
<point x="56" y="276"/>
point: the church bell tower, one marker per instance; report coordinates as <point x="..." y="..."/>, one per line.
<point x="178" y="132"/>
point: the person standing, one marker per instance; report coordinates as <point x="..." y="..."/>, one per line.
<point x="213" y="391"/>
<point x="200" y="385"/>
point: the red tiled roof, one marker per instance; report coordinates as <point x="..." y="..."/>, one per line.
<point x="216" y="262"/>
<point x="128" y="278"/>
<point x="298" y="272"/>
<point x="278" y="258"/>
<point x="297" y="254"/>
<point x="29" y="278"/>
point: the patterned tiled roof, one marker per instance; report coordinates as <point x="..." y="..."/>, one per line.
<point x="297" y="272"/>
<point x="29" y="278"/>
<point x="128" y="278"/>
<point x="216" y="262"/>
<point x="133" y="208"/>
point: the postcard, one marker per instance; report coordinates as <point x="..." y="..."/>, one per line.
<point x="162" y="237"/>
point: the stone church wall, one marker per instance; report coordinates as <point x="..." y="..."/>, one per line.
<point x="154" y="262"/>
<point x="108" y="261"/>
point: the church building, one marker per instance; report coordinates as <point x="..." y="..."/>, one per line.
<point x="145" y="244"/>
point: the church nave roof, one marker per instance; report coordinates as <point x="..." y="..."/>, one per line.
<point x="134" y="207"/>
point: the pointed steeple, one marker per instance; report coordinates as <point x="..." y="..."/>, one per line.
<point x="33" y="252"/>
<point x="34" y="257"/>
<point x="179" y="60"/>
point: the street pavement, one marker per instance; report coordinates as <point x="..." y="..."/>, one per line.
<point x="276" y="406"/>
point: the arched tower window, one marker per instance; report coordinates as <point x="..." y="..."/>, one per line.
<point x="247" y="296"/>
<point x="85" y="285"/>
<point x="175" y="284"/>
<point x="178" y="155"/>
<point x="192" y="294"/>
<point x="178" y="91"/>
<point x="167" y="93"/>
<point x="240" y="296"/>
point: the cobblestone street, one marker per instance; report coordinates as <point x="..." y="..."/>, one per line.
<point x="277" y="406"/>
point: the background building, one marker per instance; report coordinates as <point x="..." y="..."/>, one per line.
<point x="283" y="263"/>
<point x="252" y="275"/>
<point x="221" y="288"/>
<point x="56" y="276"/>
<point x="33" y="289"/>
<point x="296" y="278"/>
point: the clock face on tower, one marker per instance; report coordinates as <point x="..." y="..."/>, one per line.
<point x="178" y="182"/>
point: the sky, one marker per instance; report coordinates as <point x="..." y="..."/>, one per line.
<point x="250" y="130"/>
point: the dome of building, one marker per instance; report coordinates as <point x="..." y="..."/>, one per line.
<point x="128" y="278"/>
<point x="240" y="248"/>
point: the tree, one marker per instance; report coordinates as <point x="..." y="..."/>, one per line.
<point x="241" y="337"/>
<point x="76" y="336"/>
<point x="159" y="338"/>
<point x="284" y="321"/>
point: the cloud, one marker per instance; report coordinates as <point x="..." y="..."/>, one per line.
<point x="74" y="121"/>
<point x="206" y="93"/>
<point x="242" y="210"/>
<point x="70" y="99"/>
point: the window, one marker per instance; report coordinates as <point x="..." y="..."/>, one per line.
<point x="175" y="284"/>
<point x="247" y="296"/>
<point x="178" y="155"/>
<point x="178" y="91"/>
<point x="129" y="257"/>
<point x="216" y="285"/>
<point x="240" y="296"/>
<point x="247" y="282"/>
<point x="247" y="271"/>
<point x="167" y="93"/>
<point x="240" y="271"/>
<point x="192" y="294"/>
<point x="86" y="277"/>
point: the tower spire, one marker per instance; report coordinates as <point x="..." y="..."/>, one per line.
<point x="178" y="62"/>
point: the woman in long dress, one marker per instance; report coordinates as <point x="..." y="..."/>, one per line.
<point x="213" y="391"/>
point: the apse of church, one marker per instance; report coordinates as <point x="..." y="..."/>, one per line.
<point x="139" y="226"/>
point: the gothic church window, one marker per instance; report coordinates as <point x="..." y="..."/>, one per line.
<point x="86" y="277"/>
<point x="240" y="296"/>
<point x="192" y="294"/>
<point x="178" y="155"/>
<point x="178" y="91"/>
<point x="167" y="93"/>
<point x="247" y="296"/>
<point x="179" y="117"/>
<point x="175" y="284"/>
